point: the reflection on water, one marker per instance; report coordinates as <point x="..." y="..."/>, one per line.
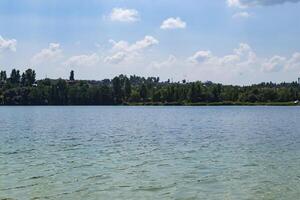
<point x="150" y="153"/>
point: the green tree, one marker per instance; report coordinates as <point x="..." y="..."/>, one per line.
<point x="192" y="95"/>
<point x="135" y="96"/>
<point x="127" y="88"/>
<point x="135" y="89"/>
<point x="3" y="76"/>
<point x="23" y="79"/>
<point x="117" y="90"/>
<point x="28" y="77"/>
<point x="15" y="76"/>
<point x="72" y="78"/>
<point x="143" y="92"/>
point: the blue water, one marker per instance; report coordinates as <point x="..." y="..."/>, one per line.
<point x="150" y="153"/>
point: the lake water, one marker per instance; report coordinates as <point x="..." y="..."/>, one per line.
<point x="150" y="153"/>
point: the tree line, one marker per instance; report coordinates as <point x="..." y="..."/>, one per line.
<point x="24" y="89"/>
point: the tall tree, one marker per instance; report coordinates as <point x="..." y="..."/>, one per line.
<point x="23" y="79"/>
<point x="28" y="77"/>
<point x="127" y="88"/>
<point x="15" y="76"/>
<point x="192" y="95"/>
<point x="117" y="90"/>
<point x="72" y="76"/>
<point x="62" y="92"/>
<point x="3" y="76"/>
<point x="143" y="92"/>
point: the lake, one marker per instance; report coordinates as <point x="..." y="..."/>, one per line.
<point x="150" y="153"/>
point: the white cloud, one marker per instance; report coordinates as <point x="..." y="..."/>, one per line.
<point x="123" y="51"/>
<point x="244" y="59"/>
<point x="119" y="46"/>
<point x="241" y="60"/>
<point x="167" y="63"/>
<point x="141" y="44"/>
<point x="274" y="64"/>
<point x="229" y="59"/>
<point x="51" y="54"/>
<point x="205" y="65"/>
<point x="200" y="57"/>
<point x="241" y="15"/>
<point x="279" y="63"/>
<point x="148" y="41"/>
<point x="8" y="44"/>
<point x="173" y="23"/>
<point x="124" y="15"/>
<point x="293" y="62"/>
<point x="116" y="58"/>
<point x="82" y="60"/>
<point x="243" y="55"/>
<point x="243" y="48"/>
<point x="233" y="3"/>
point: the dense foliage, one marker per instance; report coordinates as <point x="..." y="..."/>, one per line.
<point x="26" y="90"/>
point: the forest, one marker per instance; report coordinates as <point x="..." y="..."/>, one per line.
<point x="23" y="89"/>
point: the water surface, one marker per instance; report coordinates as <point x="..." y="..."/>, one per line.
<point x="150" y="153"/>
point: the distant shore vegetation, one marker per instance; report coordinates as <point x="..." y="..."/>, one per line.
<point x="23" y="89"/>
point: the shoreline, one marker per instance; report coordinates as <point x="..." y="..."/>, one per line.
<point x="217" y="104"/>
<point x="180" y="104"/>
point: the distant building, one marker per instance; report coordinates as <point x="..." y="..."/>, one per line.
<point x="299" y="81"/>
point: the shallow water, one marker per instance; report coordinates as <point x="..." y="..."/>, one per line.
<point x="150" y="153"/>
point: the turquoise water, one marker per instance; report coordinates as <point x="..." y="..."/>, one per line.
<point x="150" y="153"/>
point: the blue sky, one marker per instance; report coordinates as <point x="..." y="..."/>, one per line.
<point x="227" y="41"/>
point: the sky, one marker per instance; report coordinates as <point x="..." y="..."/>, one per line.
<point x="225" y="41"/>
